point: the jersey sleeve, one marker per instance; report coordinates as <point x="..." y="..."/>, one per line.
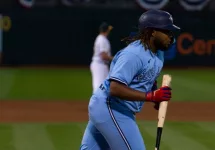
<point x="126" y="68"/>
<point x="103" y="45"/>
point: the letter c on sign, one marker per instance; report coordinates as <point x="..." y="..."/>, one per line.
<point x="181" y="38"/>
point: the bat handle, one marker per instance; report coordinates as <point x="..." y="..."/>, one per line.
<point x="158" y="139"/>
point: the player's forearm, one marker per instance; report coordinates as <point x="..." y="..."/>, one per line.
<point x="109" y="58"/>
<point x="106" y="57"/>
<point x="124" y="92"/>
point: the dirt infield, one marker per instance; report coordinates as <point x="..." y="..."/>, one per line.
<point x="39" y="111"/>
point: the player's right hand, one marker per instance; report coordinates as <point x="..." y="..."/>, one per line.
<point x="159" y="95"/>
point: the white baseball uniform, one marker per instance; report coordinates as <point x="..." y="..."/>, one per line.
<point x="1" y="37"/>
<point x="99" y="68"/>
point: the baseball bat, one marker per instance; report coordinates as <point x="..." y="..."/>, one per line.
<point x="162" y="112"/>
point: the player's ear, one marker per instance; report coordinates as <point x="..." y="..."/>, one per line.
<point x="154" y="33"/>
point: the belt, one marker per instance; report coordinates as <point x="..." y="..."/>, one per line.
<point x="101" y="62"/>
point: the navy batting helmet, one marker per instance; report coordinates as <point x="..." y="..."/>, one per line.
<point x="157" y="19"/>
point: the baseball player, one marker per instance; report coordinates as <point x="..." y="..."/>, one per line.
<point x="102" y="56"/>
<point x="129" y="84"/>
<point x="1" y="39"/>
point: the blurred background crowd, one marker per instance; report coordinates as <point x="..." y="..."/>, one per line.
<point x="62" y="32"/>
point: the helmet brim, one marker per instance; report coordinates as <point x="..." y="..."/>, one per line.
<point x="172" y="27"/>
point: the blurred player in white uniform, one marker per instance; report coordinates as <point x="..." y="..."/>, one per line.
<point x="102" y="56"/>
<point x="1" y="41"/>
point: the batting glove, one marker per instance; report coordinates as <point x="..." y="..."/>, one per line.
<point x="159" y="95"/>
<point x="155" y="87"/>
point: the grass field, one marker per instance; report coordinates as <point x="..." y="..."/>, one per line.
<point x="75" y="84"/>
<point x="176" y="136"/>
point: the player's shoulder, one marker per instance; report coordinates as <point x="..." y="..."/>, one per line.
<point x="136" y="48"/>
<point x="101" y="37"/>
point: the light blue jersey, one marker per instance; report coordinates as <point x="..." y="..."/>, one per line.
<point x="137" y="68"/>
<point x="110" y="118"/>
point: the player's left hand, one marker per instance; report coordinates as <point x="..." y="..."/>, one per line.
<point x="155" y="87"/>
<point x="159" y="95"/>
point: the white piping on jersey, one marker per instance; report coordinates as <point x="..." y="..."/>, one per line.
<point x="118" y="80"/>
<point x="117" y="126"/>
